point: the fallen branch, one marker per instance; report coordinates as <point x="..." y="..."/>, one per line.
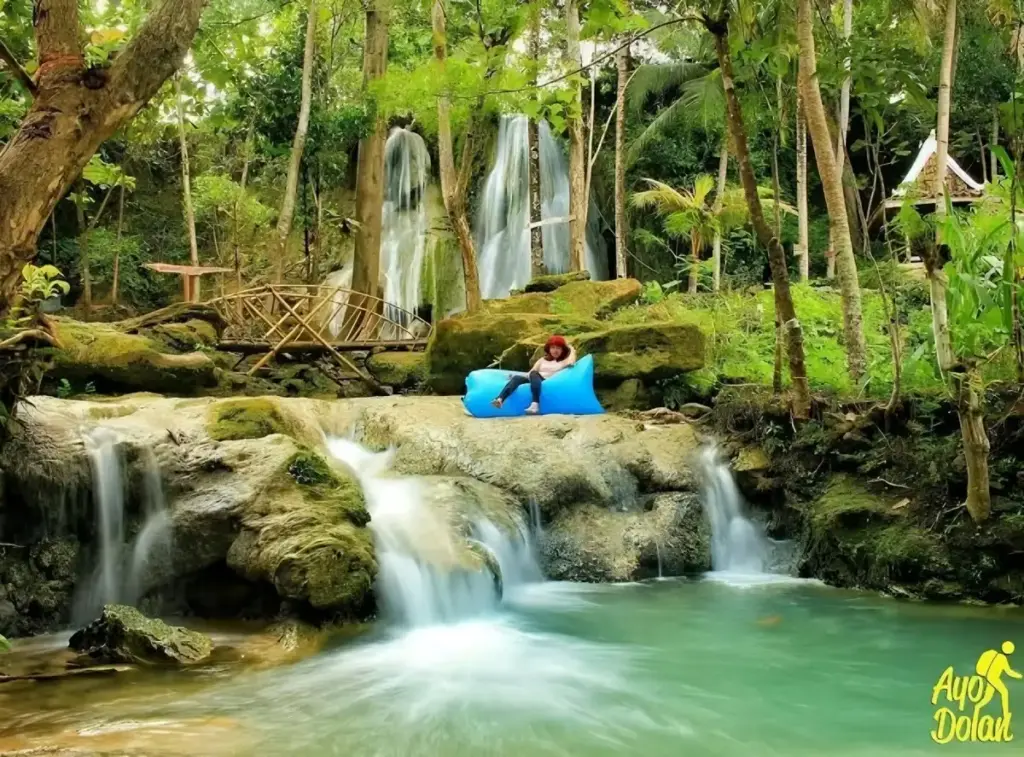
<point x="887" y="483"/>
<point x="26" y="335"/>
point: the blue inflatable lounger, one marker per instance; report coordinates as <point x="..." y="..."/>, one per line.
<point x="568" y="392"/>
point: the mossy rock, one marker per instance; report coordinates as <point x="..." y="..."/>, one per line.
<point x="248" y="419"/>
<point x="118" y="362"/>
<point x="649" y="352"/>
<point x="186" y="336"/>
<point x="631" y="394"/>
<point x="122" y="634"/>
<point x="599" y="298"/>
<point x="306" y="536"/>
<point x="398" y="369"/>
<point x="552" y="281"/>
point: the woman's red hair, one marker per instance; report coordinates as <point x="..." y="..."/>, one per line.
<point x="556" y="341"/>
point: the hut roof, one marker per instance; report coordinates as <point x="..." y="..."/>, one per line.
<point x="921" y="177"/>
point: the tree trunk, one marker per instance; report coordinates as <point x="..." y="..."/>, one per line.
<point x="536" y="232"/>
<point x="54" y="141"/>
<point x="186" y="180"/>
<point x="776" y="256"/>
<point x="694" y="275"/>
<point x="803" y="249"/>
<point x="284" y="220"/>
<point x="832" y="184"/>
<point x="993" y="160"/>
<point x="370" y="164"/>
<point x="716" y="246"/>
<point x="976" y="446"/>
<point x="241" y="196"/>
<point x="621" y="229"/>
<point x="844" y="96"/>
<point x="83" y="252"/>
<point x="116" y="275"/>
<point x="933" y="265"/>
<point x="452" y="190"/>
<point x="577" y="146"/>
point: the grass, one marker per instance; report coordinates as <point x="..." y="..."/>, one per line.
<point x="741" y="341"/>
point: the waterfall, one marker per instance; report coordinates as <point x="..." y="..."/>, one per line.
<point x="405" y="223"/>
<point x="112" y="581"/>
<point x="737" y="544"/>
<point x="423" y="574"/>
<point x="108" y="499"/>
<point x="152" y="545"/>
<point x="502" y="228"/>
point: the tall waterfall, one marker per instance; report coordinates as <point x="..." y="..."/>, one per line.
<point x="502" y="228"/>
<point x="737" y="544"/>
<point x="405" y="223"/>
<point x="423" y="578"/>
<point x="120" y="575"/>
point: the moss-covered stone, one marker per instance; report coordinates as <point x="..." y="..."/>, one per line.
<point x="398" y="369"/>
<point x="306" y="536"/>
<point x="124" y="635"/>
<point x="187" y="336"/>
<point x="248" y="419"/>
<point x="113" y="360"/>
<point x="649" y="352"/>
<point x="551" y="281"/>
<point x="631" y="394"/>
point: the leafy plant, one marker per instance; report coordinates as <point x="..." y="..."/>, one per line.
<point x="64" y="389"/>
<point x="42" y="283"/>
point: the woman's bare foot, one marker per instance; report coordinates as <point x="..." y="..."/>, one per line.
<point x="497" y="403"/>
<point x="533" y="409"/>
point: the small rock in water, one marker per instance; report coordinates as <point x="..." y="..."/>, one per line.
<point x="122" y="634"/>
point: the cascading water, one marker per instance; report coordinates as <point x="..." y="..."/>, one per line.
<point x="152" y="544"/>
<point x="112" y="579"/>
<point x="405" y="223"/>
<point x="423" y="575"/>
<point x="503" y="235"/>
<point x="108" y="499"/>
<point x="737" y="544"/>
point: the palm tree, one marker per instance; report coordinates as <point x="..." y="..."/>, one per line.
<point x="699" y="214"/>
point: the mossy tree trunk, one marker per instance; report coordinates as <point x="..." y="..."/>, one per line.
<point x="370" y="163"/>
<point x="719" y="28"/>
<point x="54" y="142"/>
<point x="578" y="200"/>
<point x="803" y="249"/>
<point x="716" y="245"/>
<point x="284" y="219"/>
<point x="454" y="186"/>
<point x="533" y="139"/>
<point x="186" y="180"/>
<point x="621" y="228"/>
<point x="832" y="185"/>
<point x="970" y="409"/>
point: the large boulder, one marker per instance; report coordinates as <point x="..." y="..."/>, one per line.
<point x="668" y="535"/>
<point x="124" y="635"/>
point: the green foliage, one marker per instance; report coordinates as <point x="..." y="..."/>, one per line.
<point x="5" y="646"/>
<point x="41" y="283"/>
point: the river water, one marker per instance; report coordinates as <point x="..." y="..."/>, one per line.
<point x="676" y="667"/>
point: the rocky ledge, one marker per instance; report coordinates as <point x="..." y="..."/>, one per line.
<point x="264" y="521"/>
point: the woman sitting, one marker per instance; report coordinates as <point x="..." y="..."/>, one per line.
<point x="557" y="356"/>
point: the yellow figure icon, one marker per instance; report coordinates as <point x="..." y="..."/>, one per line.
<point x="991" y="666"/>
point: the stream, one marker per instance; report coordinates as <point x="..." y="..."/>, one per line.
<point x="703" y="667"/>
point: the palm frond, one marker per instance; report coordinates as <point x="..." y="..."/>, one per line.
<point x="661" y="197"/>
<point x="656" y="78"/>
<point x="703" y="186"/>
<point x="704" y="99"/>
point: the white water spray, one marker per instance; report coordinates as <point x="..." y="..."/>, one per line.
<point x="502" y="228"/>
<point x="108" y="500"/>
<point x="737" y="544"/>
<point x="152" y="545"/>
<point x="424" y="577"/>
<point x="405" y="223"/>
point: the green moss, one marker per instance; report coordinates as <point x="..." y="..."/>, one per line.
<point x="247" y="419"/>
<point x="106" y="413"/>
<point x="552" y="281"/>
<point x="398" y="369"/>
<point x="307" y="536"/>
<point x="188" y="335"/>
<point x="846" y="503"/>
<point x="116" y="361"/>
<point x="599" y="298"/>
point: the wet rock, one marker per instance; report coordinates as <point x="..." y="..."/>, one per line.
<point x="398" y="369"/>
<point x="595" y="544"/>
<point x="124" y="635"/>
<point x="629" y="395"/>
